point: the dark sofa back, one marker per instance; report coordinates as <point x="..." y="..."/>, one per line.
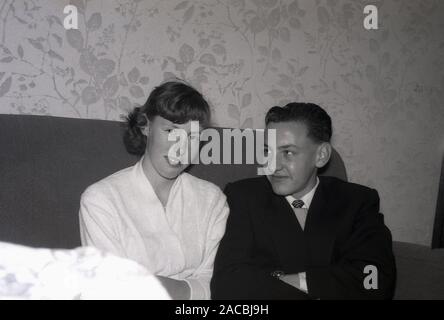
<point x="47" y="162"/>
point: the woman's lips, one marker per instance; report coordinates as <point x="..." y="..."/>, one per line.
<point x="174" y="162"/>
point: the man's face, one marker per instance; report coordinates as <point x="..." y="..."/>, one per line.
<point x="296" y="159"/>
<point x="158" y="147"/>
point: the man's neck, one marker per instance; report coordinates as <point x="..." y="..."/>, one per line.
<point x="308" y="187"/>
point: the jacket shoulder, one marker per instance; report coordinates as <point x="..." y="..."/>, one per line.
<point x="341" y="186"/>
<point x="254" y="186"/>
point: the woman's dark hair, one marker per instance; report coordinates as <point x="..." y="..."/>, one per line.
<point x="175" y="101"/>
<point x="318" y="122"/>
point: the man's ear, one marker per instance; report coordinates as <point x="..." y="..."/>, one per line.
<point x="323" y="154"/>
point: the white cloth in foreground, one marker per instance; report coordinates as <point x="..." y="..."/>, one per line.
<point x="82" y="273"/>
<point x="122" y="215"/>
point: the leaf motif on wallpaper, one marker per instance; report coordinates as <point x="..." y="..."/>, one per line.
<point x="388" y="95"/>
<point x="284" y="81"/>
<point x="276" y="55"/>
<point x="257" y="25"/>
<point x="385" y="60"/>
<point x="263" y="51"/>
<point x="208" y="59"/>
<point x="55" y="55"/>
<point x="80" y="4"/>
<point x="20" y="51"/>
<point x="6" y="59"/>
<point x="300" y="88"/>
<point x="103" y="68"/>
<point x="74" y="38"/>
<point x="136" y="92"/>
<point x="124" y="103"/>
<point x="188" y="14"/>
<point x="144" y="80"/>
<point x="181" y="5"/>
<point x="233" y="112"/>
<point x="87" y="62"/>
<point x="371" y="73"/>
<point x="110" y="86"/>
<point x="275" y="93"/>
<point x="133" y="75"/>
<point x="246" y="100"/>
<point x="58" y="39"/>
<point x="323" y="16"/>
<point x="248" y="123"/>
<point x="94" y="22"/>
<point x="122" y="80"/>
<point x="374" y="45"/>
<point x="237" y="3"/>
<point x="169" y="76"/>
<point x="53" y="18"/>
<point x="186" y="53"/>
<point x="302" y="71"/>
<point x="268" y="3"/>
<point x="274" y="17"/>
<point x="36" y="44"/>
<point x="291" y="68"/>
<point x="90" y="95"/>
<point x="294" y="23"/>
<point x="5" y="86"/>
<point x="284" y="33"/>
<point x="219" y="49"/>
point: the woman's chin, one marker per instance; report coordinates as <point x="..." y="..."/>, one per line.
<point x="172" y="172"/>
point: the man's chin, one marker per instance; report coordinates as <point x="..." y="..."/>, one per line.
<point x="280" y="189"/>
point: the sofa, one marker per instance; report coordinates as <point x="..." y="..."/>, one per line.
<point x="47" y="162"/>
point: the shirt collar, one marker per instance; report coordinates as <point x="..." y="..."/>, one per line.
<point x="307" y="198"/>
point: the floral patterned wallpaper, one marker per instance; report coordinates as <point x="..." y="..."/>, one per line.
<point x="383" y="88"/>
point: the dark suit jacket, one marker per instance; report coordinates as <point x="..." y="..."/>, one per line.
<point x="344" y="232"/>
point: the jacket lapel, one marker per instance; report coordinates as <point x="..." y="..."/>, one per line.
<point x="286" y="233"/>
<point x="299" y="249"/>
<point x="321" y="227"/>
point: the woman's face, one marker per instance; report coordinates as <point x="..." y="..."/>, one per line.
<point x="162" y="158"/>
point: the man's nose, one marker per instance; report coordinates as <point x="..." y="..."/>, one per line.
<point x="279" y="162"/>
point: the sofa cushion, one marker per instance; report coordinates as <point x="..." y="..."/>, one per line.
<point x="420" y="272"/>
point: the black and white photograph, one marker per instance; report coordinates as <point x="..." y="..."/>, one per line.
<point x="240" y="151"/>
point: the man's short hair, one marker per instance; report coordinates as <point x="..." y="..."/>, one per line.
<point x="318" y="122"/>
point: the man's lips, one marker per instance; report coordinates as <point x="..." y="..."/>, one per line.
<point x="279" y="177"/>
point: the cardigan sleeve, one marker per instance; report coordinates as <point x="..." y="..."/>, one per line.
<point x="199" y="281"/>
<point x="98" y="223"/>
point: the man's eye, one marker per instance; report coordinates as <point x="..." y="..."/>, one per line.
<point x="289" y="153"/>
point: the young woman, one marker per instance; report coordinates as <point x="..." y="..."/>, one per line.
<point x="154" y="213"/>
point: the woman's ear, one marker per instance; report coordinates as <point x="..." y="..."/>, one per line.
<point x="145" y="129"/>
<point x="323" y="156"/>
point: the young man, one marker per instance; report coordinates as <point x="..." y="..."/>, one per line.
<point x="294" y="235"/>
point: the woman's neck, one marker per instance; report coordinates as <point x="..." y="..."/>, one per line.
<point x="161" y="185"/>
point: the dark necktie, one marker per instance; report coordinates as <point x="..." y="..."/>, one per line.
<point x="297" y="203"/>
<point x="301" y="214"/>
